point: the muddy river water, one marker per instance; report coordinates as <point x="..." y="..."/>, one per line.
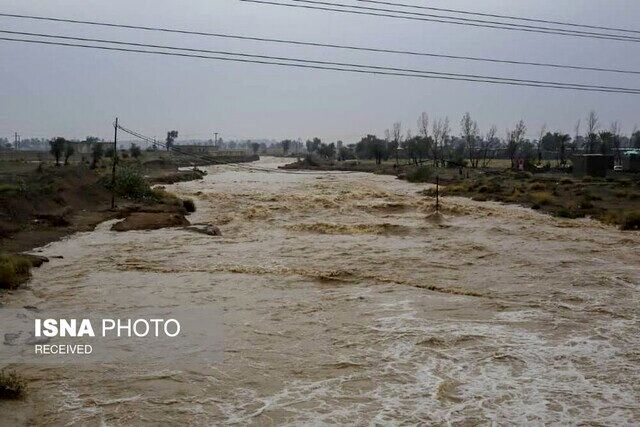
<point x="345" y="301"/>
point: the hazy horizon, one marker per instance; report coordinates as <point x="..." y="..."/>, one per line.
<point x="74" y="92"/>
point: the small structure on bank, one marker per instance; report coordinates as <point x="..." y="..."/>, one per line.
<point x="631" y="162"/>
<point x="592" y="164"/>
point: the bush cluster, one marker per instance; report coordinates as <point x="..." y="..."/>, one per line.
<point x="131" y="184"/>
<point x="631" y="221"/>
<point x="189" y="205"/>
<point x="13" y="271"/>
<point x="11" y="385"/>
<point x="419" y="174"/>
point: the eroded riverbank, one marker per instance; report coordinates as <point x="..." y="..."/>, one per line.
<point x="345" y="303"/>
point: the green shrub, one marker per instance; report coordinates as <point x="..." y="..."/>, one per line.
<point x="631" y="221"/>
<point x="131" y="184"/>
<point x="420" y="174"/>
<point x="14" y="270"/>
<point x="12" y="386"/>
<point x="189" y="205"/>
<point x="6" y="188"/>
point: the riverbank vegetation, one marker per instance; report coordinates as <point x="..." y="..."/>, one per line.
<point x="44" y="201"/>
<point x="12" y="386"/>
<point x="14" y="270"/>
<point x="534" y="173"/>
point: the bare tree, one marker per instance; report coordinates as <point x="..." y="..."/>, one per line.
<point x="423" y="124"/>
<point x="441" y="130"/>
<point x="514" y="141"/>
<point x="615" y="130"/>
<point x="487" y="145"/>
<point x="423" y="130"/>
<point x="576" y="129"/>
<point x="543" y="132"/>
<point x="469" y="130"/>
<point x="437" y="139"/>
<point x="593" y="124"/>
<point x="396" y="135"/>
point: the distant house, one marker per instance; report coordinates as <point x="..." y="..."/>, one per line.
<point x="592" y="164"/>
<point x="206" y="150"/>
<point x="86" y="148"/>
<point x="631" y="161"/>
<point x="197" y="149"/>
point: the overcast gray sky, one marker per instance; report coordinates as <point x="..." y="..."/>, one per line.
<point x="73" y="92"/>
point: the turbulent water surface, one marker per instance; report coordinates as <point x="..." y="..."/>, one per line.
<point x="347" y="301"/>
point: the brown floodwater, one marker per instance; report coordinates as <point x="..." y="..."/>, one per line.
<point x="346" y="301"/>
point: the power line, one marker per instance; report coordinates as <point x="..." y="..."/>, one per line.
<point x="360" y="10"/>
<point x="492" y="15"/>
<point x="345" y="67"/>
<point x="342" y="64"/>
<point x="337" y="46"/>
<point x="470" y="20"/>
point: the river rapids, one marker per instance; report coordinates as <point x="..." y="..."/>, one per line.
<point x="346" y="300"/>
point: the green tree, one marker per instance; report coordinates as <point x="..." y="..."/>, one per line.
<point x="562" y="139"/>
<point x="313" y="145"/>
<point x="286" y="145"/>
<point x="135" y="151"/>
<point x="171" y="138"/>
<point x="57" y="148"/>
<point x="328" y="151"/>
<point x="372" y="147"/>
<point x="69" y="149"/>
<point x="97" y="152"/>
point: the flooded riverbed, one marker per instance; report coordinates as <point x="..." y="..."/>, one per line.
<point x="346" y="301"/>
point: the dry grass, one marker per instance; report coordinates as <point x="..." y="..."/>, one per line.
<point x="542" y="198"/>
<point x="537" y="186"/>
<point x="631" y="221"/>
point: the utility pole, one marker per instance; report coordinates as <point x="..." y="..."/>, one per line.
<point x="437" y="193"/>
<point x="215" y="139"/>
<point x="16" y="140"/>
<point x="113" y="169"/>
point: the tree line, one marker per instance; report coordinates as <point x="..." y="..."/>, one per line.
<point x="435" y="142"/>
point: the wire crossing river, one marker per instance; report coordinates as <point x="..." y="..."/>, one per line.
<point x="346" y="301"/>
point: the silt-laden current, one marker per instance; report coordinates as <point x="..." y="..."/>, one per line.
<point x="346" y="301"/>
